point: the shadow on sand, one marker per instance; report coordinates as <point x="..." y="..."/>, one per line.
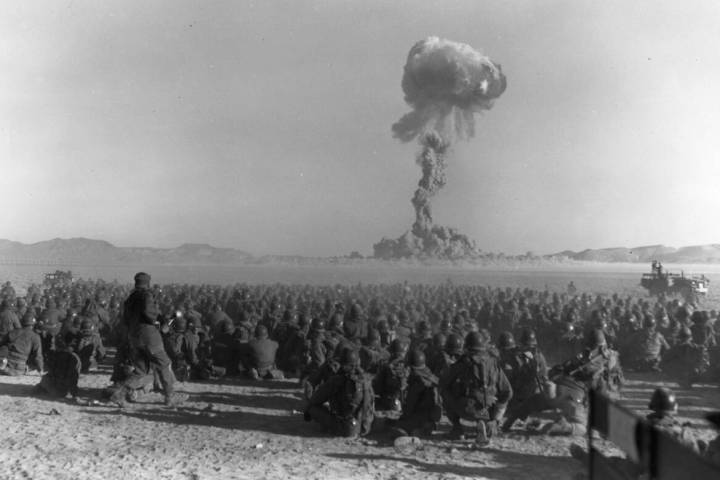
<point x="512" y="465"/>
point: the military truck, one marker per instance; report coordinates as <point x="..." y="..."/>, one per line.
<point x="661" y="282"/>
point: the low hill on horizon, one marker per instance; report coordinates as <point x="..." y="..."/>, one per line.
<point x="84" y="251"/>
<point x="691" y="254"/>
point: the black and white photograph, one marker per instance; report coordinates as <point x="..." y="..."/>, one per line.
<point x="359" y="240"/>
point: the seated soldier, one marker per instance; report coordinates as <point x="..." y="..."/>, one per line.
<point x="181" y="347"/>
<point x="685" y="361"/>
<point x="63" y="373"/>
<point x="391" y="380"/>
<point x="88" y="346"/>
<point x="21" y="349"/>
<point x="343" y="404"/>
<point x="528" y="381"/>
<point x="226" y="349"/>
<point x="597" y="367"/>
<point x="475" y="389"/>
<point x="261" y="353"/>
<point x="422" y="407"/>
<point x="647" y="346"/>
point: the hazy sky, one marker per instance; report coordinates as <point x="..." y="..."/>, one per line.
<point x="265" y="125"/>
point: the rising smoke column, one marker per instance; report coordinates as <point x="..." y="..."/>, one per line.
<point x="432" y="162"/>
<point x="445" y="83"/>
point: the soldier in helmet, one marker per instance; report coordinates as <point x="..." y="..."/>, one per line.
<point x="528" y="380"/>
<point x="316" y="349"/>
<point x="262" y="353"/>
<point x="88" y="346"/>
<point x="663" y="406"/>
<point x="645" y="348"/>
<point x="391" y="380"/>
<point x="343" y="404"/>
<point x="596" y="367"/>
<point x="21" y="349"/>
<point x="475" y="389"/>
<point x="452" y="351"/>
<point x="686" y="361"/>
<point x="372" y="353"/>
<point x="182" y="347"/>
<point x="507" y="357"/>
<point x="421" y="409"/>
<point x="63" y="373"/>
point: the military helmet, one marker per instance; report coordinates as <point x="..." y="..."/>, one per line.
<point x="373" y="336"/>
<point x="453" y="345"/>
<point x="349" y="357"/>
<point x="27" y="320"/>
<point x="336" y="322"/>
<point x="417" y="358"/>
<point x="698" y="317"/>
<point x="684" y="333"/>
<point x="86" y="324"/>
<point x="475" y="342"/>
<point x="397" y="347"/>
<point x="648" y="321"/>
<point x="261" y="331"/>
<point x="528" y="338"/>
<point x="506" y="340"/>
<point x="596" y="338"/>
<point x="317" y="325"/>
<point x="663" y="401"/>
<point x="180" y="324"/>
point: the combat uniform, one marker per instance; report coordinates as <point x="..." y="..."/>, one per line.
<point x="349" y="397"/>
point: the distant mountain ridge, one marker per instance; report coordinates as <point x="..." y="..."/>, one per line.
<point x="692" y="254"/>
<point x="84" y="251"/>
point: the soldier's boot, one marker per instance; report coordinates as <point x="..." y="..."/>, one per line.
<point x="456" y="432"/>
<point x="578" y="453"/>
<point x="175" y="399"/>
<point x="481" y="434"/>
<point x="119" y="396"/>
<point x="507" y="424"/>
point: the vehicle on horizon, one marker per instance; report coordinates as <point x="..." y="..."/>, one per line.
<point x="58" y="278"/>
<point x="660" y="282"/>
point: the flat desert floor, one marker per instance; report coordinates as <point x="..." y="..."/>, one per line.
<point x="253" y="430"/>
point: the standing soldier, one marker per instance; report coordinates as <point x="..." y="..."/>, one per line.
<point x="147" y="350"/>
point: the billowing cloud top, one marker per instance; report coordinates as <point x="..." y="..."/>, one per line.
<point x="445" y="83"/>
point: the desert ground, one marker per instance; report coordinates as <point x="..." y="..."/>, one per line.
<point x="254" y="430"/>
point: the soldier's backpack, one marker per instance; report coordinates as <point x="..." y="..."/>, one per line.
<point x="525" y="381"/>
<point x="471" y="385"/>
<point x="395" y="379"/>
<point x="357" y="404"/>
<point x="612" y="378"/>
